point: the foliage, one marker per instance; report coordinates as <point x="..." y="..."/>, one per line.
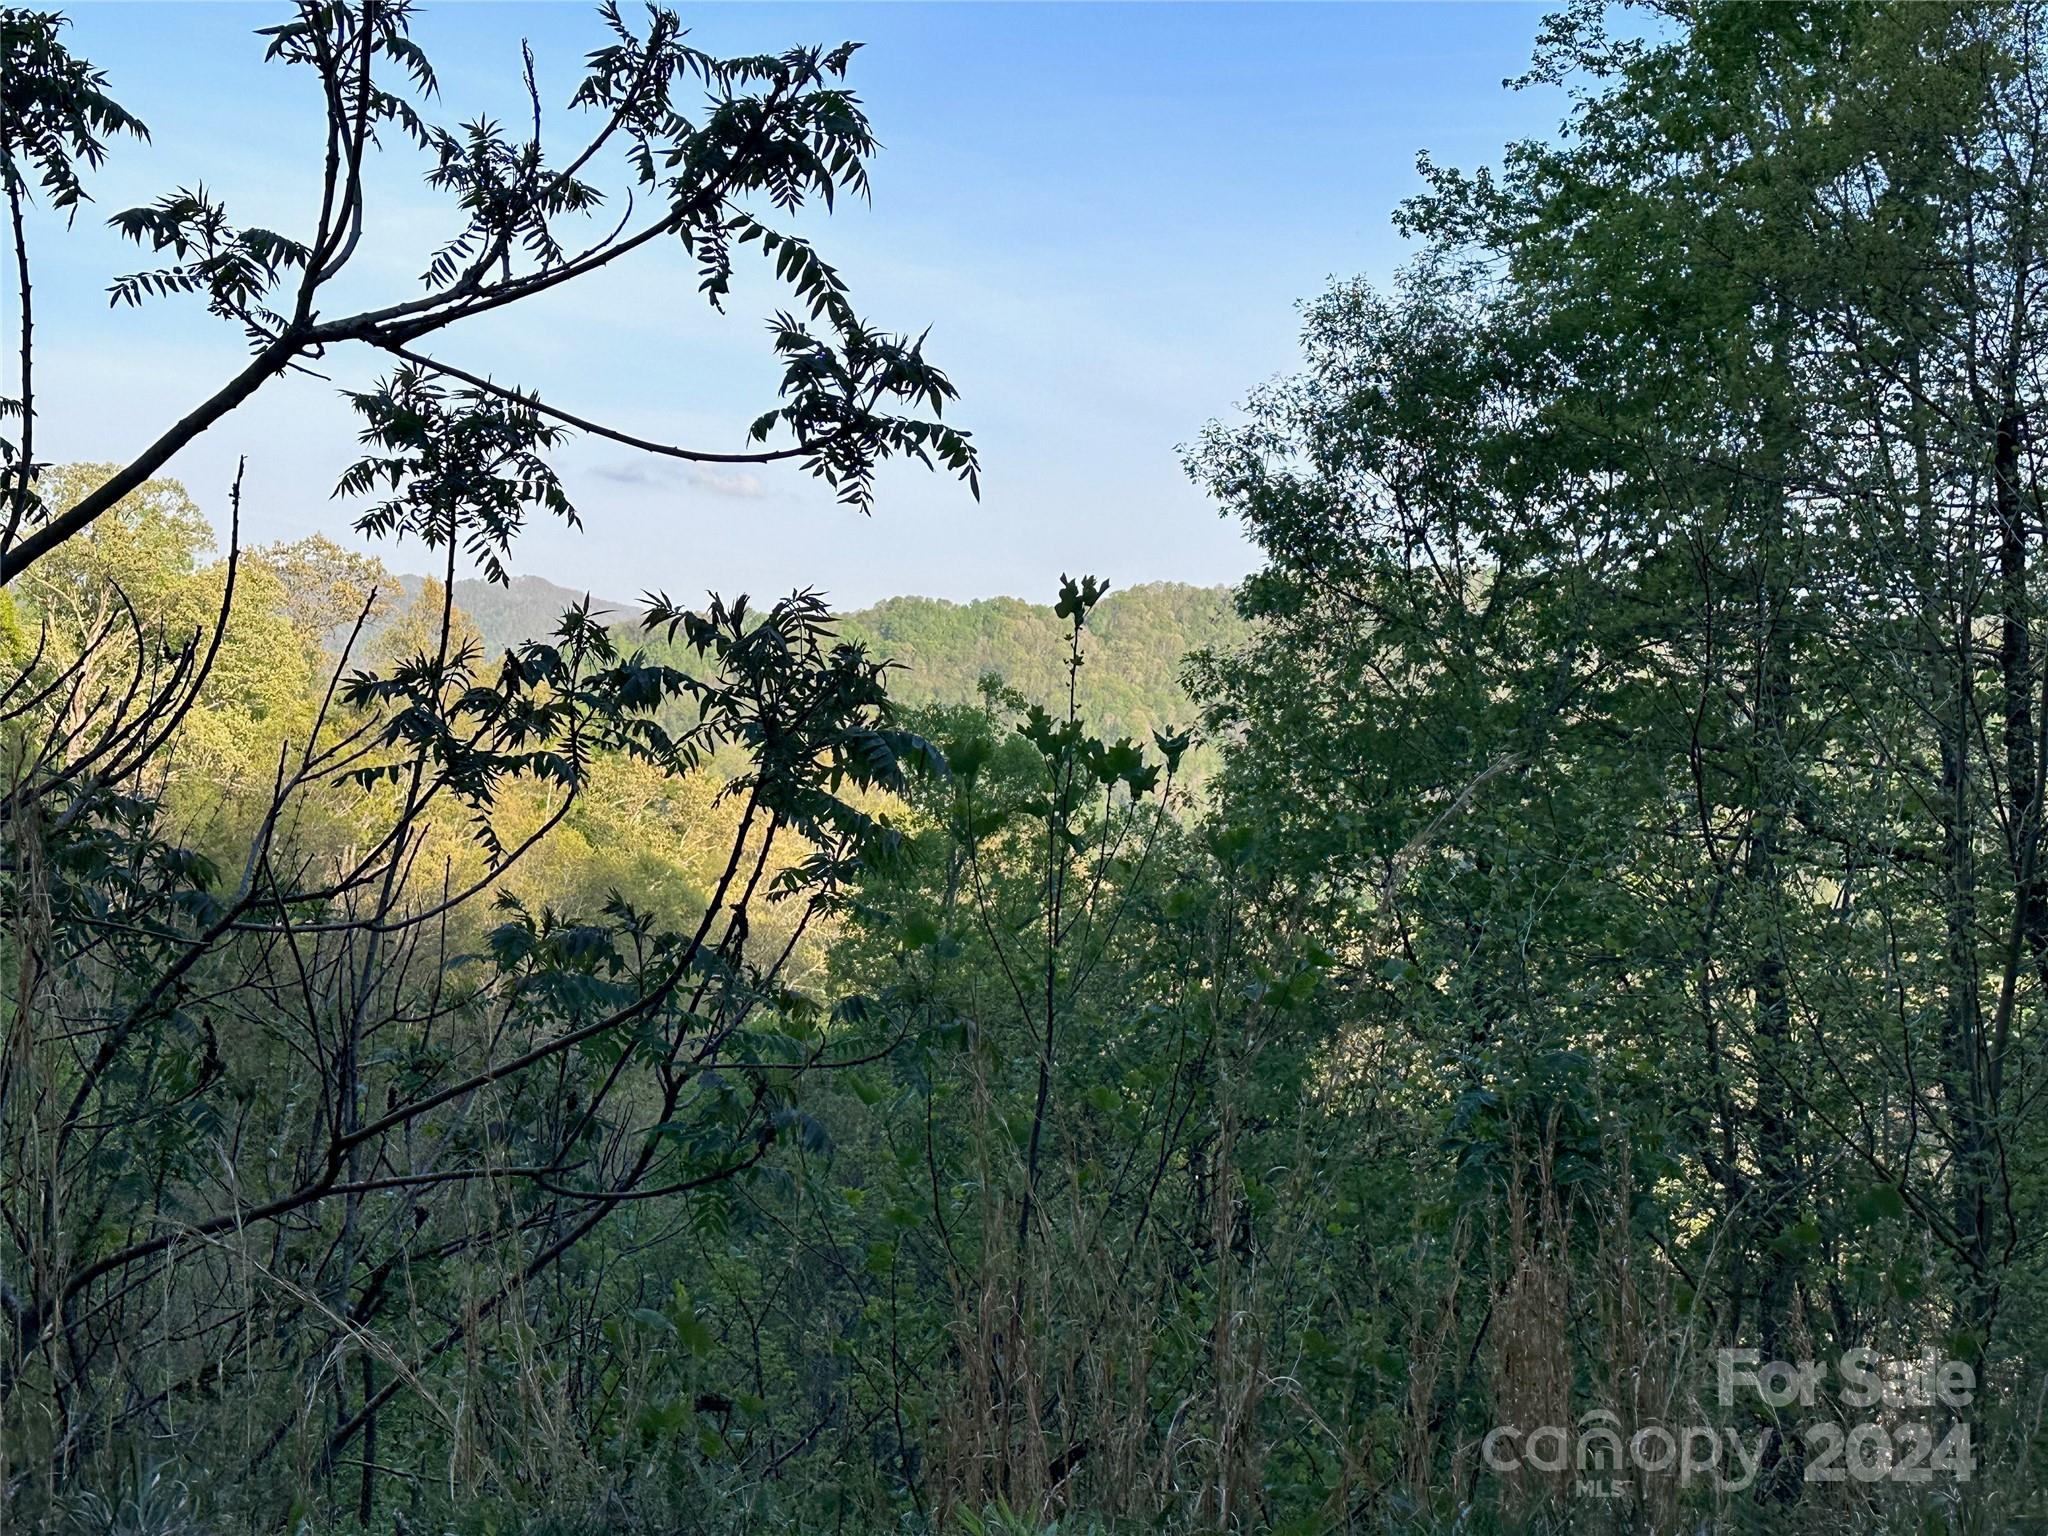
<point x="645" y="1077"/>
<point x="300" y="1071"/>
<point x="944" y="651"/>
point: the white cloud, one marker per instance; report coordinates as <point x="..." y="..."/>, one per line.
<point x="658" y="474"/>
<point x="727" y="482"/>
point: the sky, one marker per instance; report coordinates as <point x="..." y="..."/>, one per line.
<point x="1107" y="214"/>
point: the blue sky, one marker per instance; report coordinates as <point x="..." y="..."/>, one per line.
<point x="1107" y="214"/>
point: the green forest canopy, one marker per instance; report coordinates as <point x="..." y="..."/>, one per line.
<point x="651" y="1078"/>
<point x="1131" y="685"/>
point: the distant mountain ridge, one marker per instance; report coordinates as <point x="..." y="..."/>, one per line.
<point x="1130" y="684"/>
<point x="528" y="608"/>
<point x="1138" y="639"/>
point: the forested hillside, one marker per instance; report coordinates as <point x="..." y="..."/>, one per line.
<point x="505" y="613"/>
<point x="1131" y="684"/>
<point x="1579" y="1063"/>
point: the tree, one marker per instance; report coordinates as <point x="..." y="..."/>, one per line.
<point x="777" y="129"/>
<point x="327" y="588"/>
<point x="450" y="1109"/>
<point x="1649" y="680"/>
